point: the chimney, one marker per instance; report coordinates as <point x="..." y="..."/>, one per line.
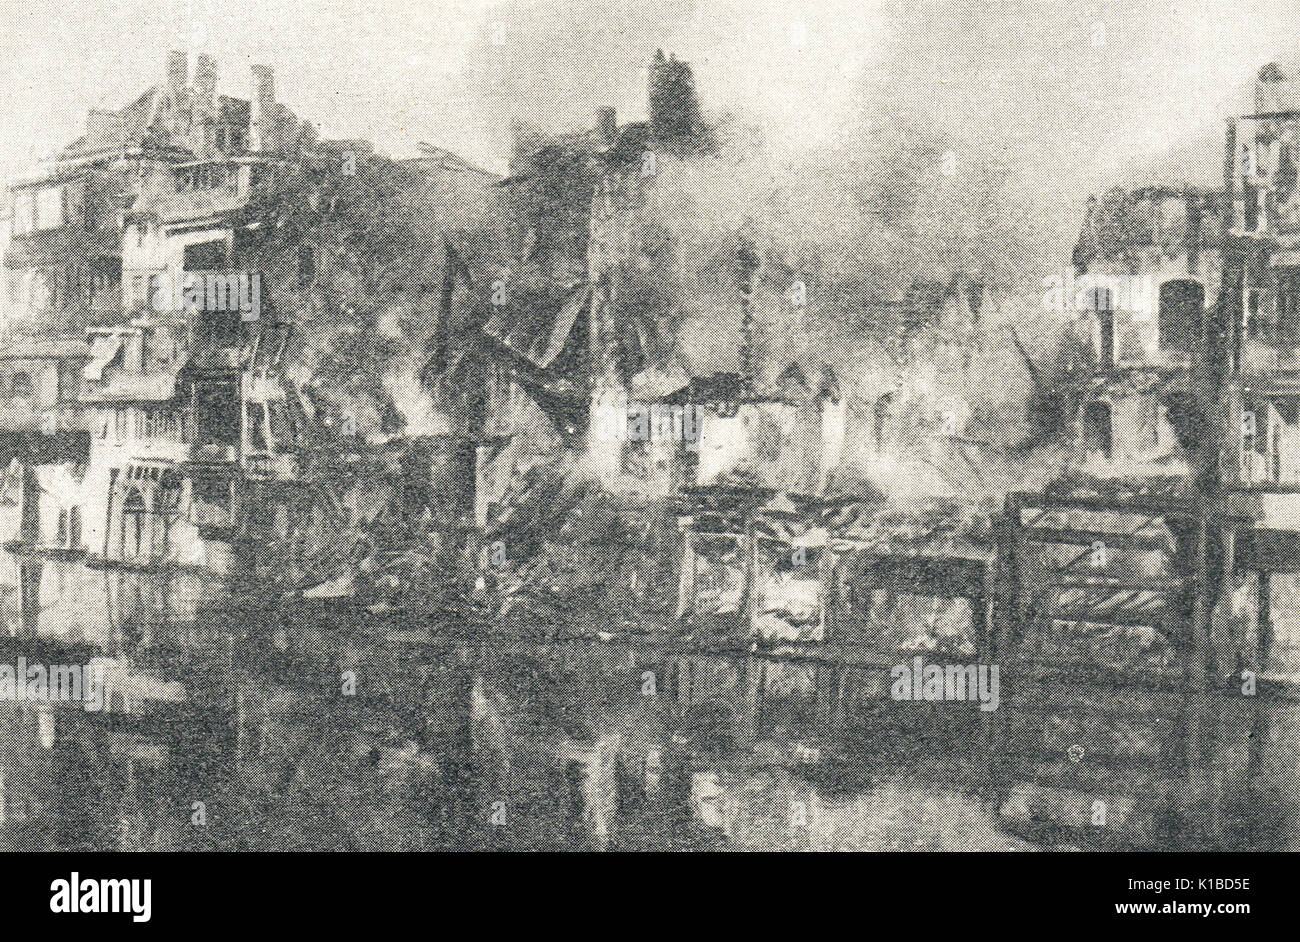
<point x="178" y="72"/>
<point x="261" y="109"/>
<point x="747" y="262"/>
<point x="607" y="125"/>
<point x="205" y="78"/>
<point x="674" y="107"/>
<point x="1272" y="90"/>
<point x="1234" y="206"/>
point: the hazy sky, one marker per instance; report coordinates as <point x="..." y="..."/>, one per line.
<point x="1018" y="79"/>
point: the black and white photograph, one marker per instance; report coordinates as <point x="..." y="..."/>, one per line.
<point x="650" y="425"/>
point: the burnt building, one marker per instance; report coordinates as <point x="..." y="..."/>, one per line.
<point x="64" y="267"/>
<point x="1147" y="266"/>
<point x="580" y="311"/>
<point x="1189" y="298"/>
<point x="135" y="326"/>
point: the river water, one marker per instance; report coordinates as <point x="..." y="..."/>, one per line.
<point x="239" y="724"/>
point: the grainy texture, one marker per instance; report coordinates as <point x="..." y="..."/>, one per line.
<point x="688" y="425"/>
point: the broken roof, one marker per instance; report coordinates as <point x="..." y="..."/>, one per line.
<point x="537" y="334"/>
<point x="127" y="125"/>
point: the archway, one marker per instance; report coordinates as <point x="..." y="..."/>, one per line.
<point x="134" y="510"/>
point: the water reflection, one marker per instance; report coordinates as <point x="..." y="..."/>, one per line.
<point x="236" y="729"/>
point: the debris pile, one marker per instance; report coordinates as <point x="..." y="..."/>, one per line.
<point x="570" y="558"/>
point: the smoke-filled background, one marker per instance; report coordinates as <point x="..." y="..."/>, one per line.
<point x="1030" y="86"/>
<point x="865" y="144"/>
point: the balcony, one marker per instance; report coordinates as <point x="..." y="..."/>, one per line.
<point x="214" y="453"/>
<point x="266" y="466"/>
<point x="204" y="190"/>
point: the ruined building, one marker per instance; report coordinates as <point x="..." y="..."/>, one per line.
<point x="1191" y="299"/>
<point x="64" y="269"/>
<point x="123" y="272"/>
<point x="632" y="336"/>
<point x="1147" y="265"/>
<point x="210" y="320"/>
<point x="585" y="324"/>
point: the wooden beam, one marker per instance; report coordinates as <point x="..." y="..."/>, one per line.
<point x="1145" y="583"/>
<point x="1150" y="618"/>
<point x="1073" y="537"/>
<point x="1137" y="504"/>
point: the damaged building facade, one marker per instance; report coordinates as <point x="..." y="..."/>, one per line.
<point x="1190" y="297"/>
<point x="209" y="312"/>
<point x="646" y="364"/>
<point x="159" y="347"/>
<point x="1147" y="265"/>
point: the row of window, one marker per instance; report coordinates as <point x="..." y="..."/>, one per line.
<point x="125" y="424"/>
<point x="144" y="290"/>
<point x="1270" y="436"/>
<point x="1270" y="440"/>
<point x="98" y="284"/>
<point x="69" y="534"/>
<point x="206" y="177"/>
<point x="1142" y="428"/>
<point x="1179" y="315"/>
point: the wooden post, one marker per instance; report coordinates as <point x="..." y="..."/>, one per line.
<point x="988" y="655"/>
<point x="1004" y="605"/>
<point x="749" y="591"/>
<point x="1235" y="642"/>
<point x="841" y="684"/>
<point x="828" y="585"/>
<point x="1008" y="590"/>
<point x="1195" y="670"/>
<point x="241" y="728"/>
<point x="686" y="580"/>
<point x="754" y="682"/>
<point x="1195" y="785"/>
<point x="1259" y="658"/>
<point x="1264" y="616"/>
